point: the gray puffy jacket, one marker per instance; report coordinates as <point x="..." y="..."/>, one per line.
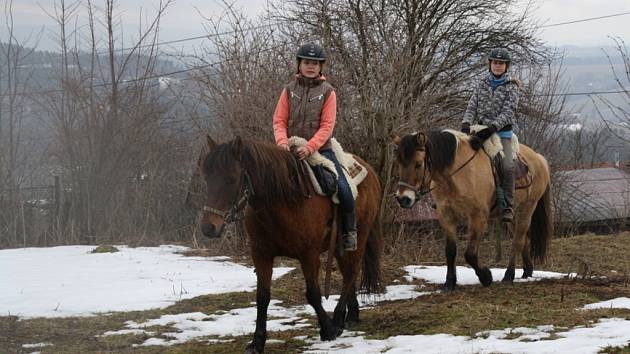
<point x="496" y="108"/>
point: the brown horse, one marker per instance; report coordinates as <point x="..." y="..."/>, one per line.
<point x="461" y="183"/>
<point x="284" y="217"/>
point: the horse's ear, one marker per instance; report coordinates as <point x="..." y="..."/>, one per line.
<point x="421" y="139"/>
<point x="211" y="143"/>
<point x="237" y="148"/>
<point x="395" y="139"/>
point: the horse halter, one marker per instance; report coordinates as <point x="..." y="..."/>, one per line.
<point x="231" y="215"/>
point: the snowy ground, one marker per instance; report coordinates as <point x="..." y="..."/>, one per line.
<point x="607" y="332"/>
<point x="466" y="276"/>
<point x="242" y="321"/>
<point x="71" y="281"/>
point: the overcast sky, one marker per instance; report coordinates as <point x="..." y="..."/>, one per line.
<point x="183" y="20"/>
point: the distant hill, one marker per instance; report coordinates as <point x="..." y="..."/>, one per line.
<point x="590" y="69"/>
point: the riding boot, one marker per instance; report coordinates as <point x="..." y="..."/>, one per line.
<point x="349" y="223"/>
<point x="507" y="214"/>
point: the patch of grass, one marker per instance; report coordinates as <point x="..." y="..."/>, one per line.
<point x="82" y="334"/>
<point x="289" y="345"/>
<point x="592" y="255"/>
<point x="588" y="255"/>
<point x="616" y="350"/>
<point x="470" y="310"/>
<point x="105" y="249"/>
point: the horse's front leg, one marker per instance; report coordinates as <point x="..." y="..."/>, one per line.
<point x="310" y="268"/>
<point x="264" y="269"/>
<point x="449" y="225"/>
<point x="477" y="224"/>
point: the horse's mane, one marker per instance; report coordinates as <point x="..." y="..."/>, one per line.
<point x="441" y="149"/>
<point x="441" y="146"/>
<point x="275" y="175"/>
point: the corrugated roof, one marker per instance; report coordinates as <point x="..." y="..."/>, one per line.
<point x="592" y="194"/>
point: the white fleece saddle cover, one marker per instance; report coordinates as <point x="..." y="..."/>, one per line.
<point x="493" y="145"/>
<point x="355" y="172"/>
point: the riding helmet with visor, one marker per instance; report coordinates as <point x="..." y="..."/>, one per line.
<point x="311" y="51"/>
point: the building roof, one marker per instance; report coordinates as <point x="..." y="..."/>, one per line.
<point x="591" y="195"/>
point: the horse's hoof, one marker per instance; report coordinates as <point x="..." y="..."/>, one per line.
<point x="251" y="349"/>
<point x="485" y="276"/>
<point x="527" y="273"/>
<point x="508" y="278"/>
<point x="330" y="334"/>
<point x="449" y="286"/>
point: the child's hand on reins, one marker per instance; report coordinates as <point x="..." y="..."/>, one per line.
<point x="302" y="152"/>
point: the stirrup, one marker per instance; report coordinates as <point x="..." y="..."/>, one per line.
<point x="350" y="241"/>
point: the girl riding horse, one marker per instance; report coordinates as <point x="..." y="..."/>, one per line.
<point x="308" y="108"/>
<point x="493" y="103"/>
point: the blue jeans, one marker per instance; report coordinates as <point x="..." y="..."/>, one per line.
<point x="346" y="201"/>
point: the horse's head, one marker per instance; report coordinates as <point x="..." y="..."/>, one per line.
<point x="227" y="186"/>
<point x="413" y="170"/>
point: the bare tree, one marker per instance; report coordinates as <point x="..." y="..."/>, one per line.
<point x="110" y="115"/>
<point x="14" y="153"/>
<point x="620" y="122"/>
<point x="244" y="67"/>
<point x="405" y="63"/>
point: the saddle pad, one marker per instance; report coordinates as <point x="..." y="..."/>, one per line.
<point x="355" y="172"/>
<point x="493" y="145"/>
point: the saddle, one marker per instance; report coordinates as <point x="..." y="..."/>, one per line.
<point x="522" y="175"/>
<point x="494" y="149"/>
<point x="323" y="174"/>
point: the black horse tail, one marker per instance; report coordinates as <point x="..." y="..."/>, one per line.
<point x="541" y="227"/>
<point x="370" y="278"/>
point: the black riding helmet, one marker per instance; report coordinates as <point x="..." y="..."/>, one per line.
<point x="500" y="54"/>
<point x="311" y="51"/>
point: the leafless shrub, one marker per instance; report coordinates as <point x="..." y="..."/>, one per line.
<point x="123" y="166"/>
<point x="16" y="139"/>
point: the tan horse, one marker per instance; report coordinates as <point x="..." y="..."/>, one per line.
<point x="461" y="182"/>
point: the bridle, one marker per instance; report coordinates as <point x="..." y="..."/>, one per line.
<point x="424" y="186"/>
<point x="235" y="212"/>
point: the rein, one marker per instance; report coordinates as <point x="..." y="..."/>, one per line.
<point x="234" y="214"/>
<point x="422" y="190"/>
